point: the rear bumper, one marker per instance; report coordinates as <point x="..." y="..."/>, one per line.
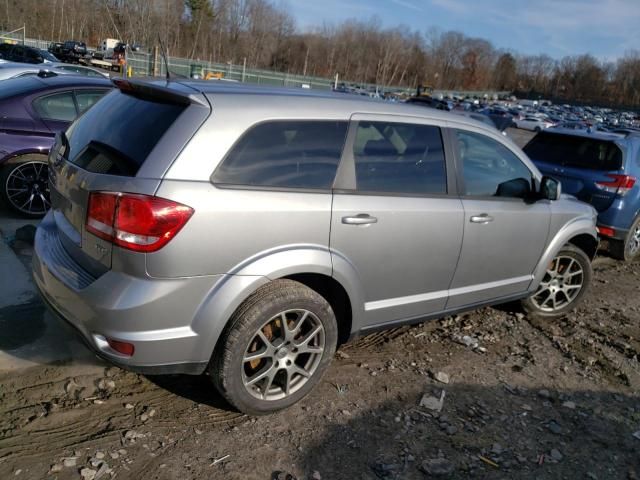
<point x="155" y="315"/>
<point x="177" y="368"/>
<point x="619" y="216"/>
<point x="619" y="233"/>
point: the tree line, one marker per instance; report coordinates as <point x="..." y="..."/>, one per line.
<point x="264" y="34"/>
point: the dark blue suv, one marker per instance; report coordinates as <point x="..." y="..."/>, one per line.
<point x="602" y="169"/>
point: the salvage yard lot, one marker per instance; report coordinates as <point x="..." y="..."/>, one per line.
<point x="522" y="399"/>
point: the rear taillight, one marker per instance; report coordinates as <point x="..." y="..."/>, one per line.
<point x="136" y="222"/>
<point x="620" y="184"/>
<point x="606" y="231"/>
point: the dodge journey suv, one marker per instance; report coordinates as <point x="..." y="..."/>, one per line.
<point x="246" y="232"/>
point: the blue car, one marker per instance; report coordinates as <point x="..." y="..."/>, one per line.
<point x="601" y="169"/>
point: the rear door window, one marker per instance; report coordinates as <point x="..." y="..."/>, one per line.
<point x="286" y="154"/>
<point x="575" y="151"/>
<point x="399" y="158"/>
<point x="117" y="134"/>
<point x="59" y="106"/>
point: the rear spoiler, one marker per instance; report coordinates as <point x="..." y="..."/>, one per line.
<point x="160" y="93"/>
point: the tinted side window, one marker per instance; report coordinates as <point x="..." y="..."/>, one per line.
<point x="32" y="56"/>
<point x="399" y="158"/>
<point x="490" y="168"/>
<point x="18" y="53"/>
<point x="88" y="98"/>
<point x="59" y="106"/>
<point x="290" y="154"/>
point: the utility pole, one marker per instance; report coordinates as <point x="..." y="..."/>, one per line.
<point x="306" y="61"/>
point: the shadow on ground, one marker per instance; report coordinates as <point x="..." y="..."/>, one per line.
<point x="196" y="388"/>
<point x="497" y="432"/>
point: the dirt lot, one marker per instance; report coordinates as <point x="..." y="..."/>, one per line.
<point x="534" y="399"/>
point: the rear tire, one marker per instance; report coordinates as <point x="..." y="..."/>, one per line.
<point x="537" y="129"/>
<point x="276" y="348"/>
<point x="24" y="185"/>
<point x="628" y="249"/>
<point x="564" y="284"/>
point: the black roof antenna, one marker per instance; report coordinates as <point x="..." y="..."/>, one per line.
<point x="164" y="57"/>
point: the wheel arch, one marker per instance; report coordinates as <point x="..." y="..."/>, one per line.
<point x="580" y="232"/>
<point x="335" y="294"/>
<point x="14" y="157"/>
<point x="587" y="243"/>
<point x="310" y="265"/>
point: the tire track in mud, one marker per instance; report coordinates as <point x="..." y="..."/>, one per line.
<point x="43" y="417"/>
<point x="53" y="421"/>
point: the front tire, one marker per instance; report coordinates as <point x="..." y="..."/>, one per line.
<point x="276" y="348"/>
<point x="628" y="249"/>
<point x="24" y="185"/>
<point x="565" y="282"/>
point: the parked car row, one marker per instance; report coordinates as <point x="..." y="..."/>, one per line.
<point x="20" y="53"/>
<point x="14" y="70"/>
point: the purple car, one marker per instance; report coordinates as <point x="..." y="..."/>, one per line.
<point x="32" y="110"/>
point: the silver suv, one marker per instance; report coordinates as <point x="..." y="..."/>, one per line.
<point x="246" y="232"/>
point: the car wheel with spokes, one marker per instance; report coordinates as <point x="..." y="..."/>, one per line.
<point x="275" y="349"/>
<point x="24" y="185"/>
<point x="629" y="248"/>
<point x="565" y="282"/>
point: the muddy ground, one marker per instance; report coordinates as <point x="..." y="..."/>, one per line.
<point x="536" y="400"/>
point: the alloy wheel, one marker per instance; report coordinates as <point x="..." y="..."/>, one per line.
<point x="561" y="284"/>
<point x="633" y="244"/>
<point x="283" y="354"/>
<point x="27" y="188"/>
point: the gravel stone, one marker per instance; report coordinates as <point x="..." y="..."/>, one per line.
<point x="437" y="467"/>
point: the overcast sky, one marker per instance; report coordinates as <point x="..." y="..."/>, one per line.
<point x="604" y="28"/>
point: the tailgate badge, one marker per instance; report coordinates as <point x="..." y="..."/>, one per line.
<point x="100" y="250"/>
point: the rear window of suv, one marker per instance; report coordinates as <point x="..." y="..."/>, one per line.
<point x="575" y="151"/>
<point x="117" y="134"/>
<point x="286" y="154"/>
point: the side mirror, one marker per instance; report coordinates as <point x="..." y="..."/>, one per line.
<point x="550" y="188"/>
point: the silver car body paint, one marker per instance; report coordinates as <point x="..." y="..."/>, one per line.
<point x="422" y="258"/>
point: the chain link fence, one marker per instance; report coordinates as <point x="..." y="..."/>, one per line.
<point x="152" y="64"/>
